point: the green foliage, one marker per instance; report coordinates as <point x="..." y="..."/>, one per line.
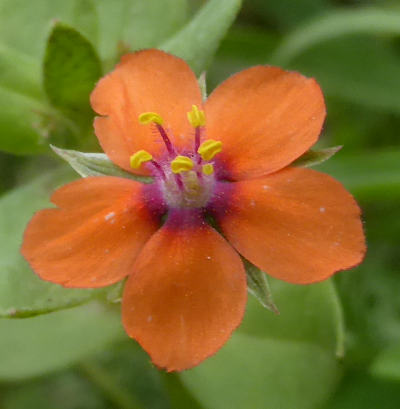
<point x="367" y="174"/>
<point x="387" y="363"/>
<point x="360" y="391"/>
<point x="31" y="347"/>
<point x="71" y="68"/>
<point x="27" y="121"/>
<point x="337" y="24"/>
<point x="212" y="21"/>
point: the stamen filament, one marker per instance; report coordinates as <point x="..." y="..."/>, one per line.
<point x="166" y="140"/>
<point x="197" y="137"/>
<point x="159" y="168"/>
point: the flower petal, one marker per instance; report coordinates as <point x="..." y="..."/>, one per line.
<point x="186" y="295"/>
<point x="93" y="237"/>
<point x="145" y="81"/>
<point x="298" y="225"/>
<point x="266" y="118"/>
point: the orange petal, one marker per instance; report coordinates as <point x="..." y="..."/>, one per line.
<point x="266" y="118"/>
<point x="297" y="225"/>
<point x="186" y="296"/>
<point x="93" y="237"/>
<point x="145" y="81"/>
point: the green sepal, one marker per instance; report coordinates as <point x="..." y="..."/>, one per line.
<point x="258" y="286"/>
<point x="95" y="164"/>
<point x="315" y="157"/>
<point x="203" y="85"/>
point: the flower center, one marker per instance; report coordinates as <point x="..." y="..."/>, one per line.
<point x="185" y="180"/>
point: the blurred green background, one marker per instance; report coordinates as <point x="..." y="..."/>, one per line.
<point x="336" y="345"/>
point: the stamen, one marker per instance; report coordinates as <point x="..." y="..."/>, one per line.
<point x="140" y="157"/>
<point x="196" y="117"/>
<point x="181" y="164"/>
<point x="209" y="149"/>
<point x="147" y="118"/>
<point x="208" y="169"/>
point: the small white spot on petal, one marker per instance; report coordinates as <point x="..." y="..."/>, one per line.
<point x="322" y="209"/>
<point x="208" y="257"/>
<point x="252" y="203"/>
<point x="106" y="251"/>
<point x="109" y="216"/>
<point x="266" y="187"/>
<point x="149" y="318"/>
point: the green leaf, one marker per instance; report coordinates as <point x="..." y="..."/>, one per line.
<point x="95" y="164"/>
<point x="287" y="13"/>
<point x="337" y="24"/>
<point x="49" y="392"/>
<point x="27" y="124"/>
<point x="197" y="42"/>
<point x="372" y="316"/>
<point x="136" y="24"/>
<point x="276" y="360"/>
<point x="22" y="292"/>
<point x="257" y="285"/>
<point x="20" y="101"/>
<point x="71" y="69"/>
<point x="35" y="346"/>
<point x="367" y="77"/>
<point x="126" y="377"/>
<point x="360" y="391"/>
<point x="315" y="157"/>
<point x="373" y="174"/>
<point x="387" y="363"/>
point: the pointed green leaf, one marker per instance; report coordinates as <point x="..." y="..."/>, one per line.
<point x="197" y="42"/>
<point x="95" y="164"/>
<point x="257" y="285"/>
<point x="315" y="157"/>
<point x="22" y="292"/>
<point x="71" y="69"/>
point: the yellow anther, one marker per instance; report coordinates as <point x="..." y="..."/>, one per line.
<point x="208" y="169"/>
<point x="196" y="117"/>
<point x="150" y="117"/>
<point x="138" y="158"/>
<point x="181" y="164"/>
<point x="209" y="149"/>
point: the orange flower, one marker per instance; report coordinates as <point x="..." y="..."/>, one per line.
<point x="229" y="158"/>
